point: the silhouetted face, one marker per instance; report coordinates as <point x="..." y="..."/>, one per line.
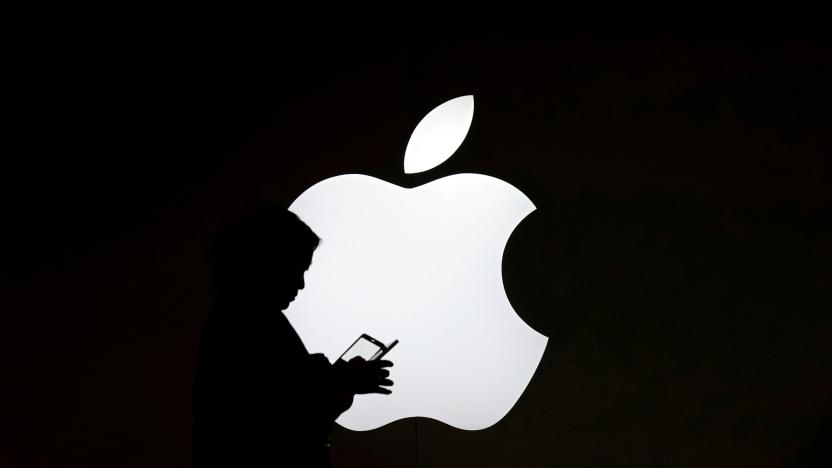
<point x="291" y="282"/>
<point x="261" y="260"/>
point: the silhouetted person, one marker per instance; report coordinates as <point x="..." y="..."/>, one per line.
<point x="260" y="399"/>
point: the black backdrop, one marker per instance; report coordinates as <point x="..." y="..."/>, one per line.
<point x="678" y="261"/>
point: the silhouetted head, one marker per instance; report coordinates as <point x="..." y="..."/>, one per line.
<point x="263" y="257"/>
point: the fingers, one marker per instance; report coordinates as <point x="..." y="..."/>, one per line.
<point x="369" y="376"/>
<point x="382" y="387"/>
<point x="377" y="386"/>
<point x="378" y="374"/>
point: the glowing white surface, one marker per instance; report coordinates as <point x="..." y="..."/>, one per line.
<point x="422" y="265"/>
<point x="439" y="134"/>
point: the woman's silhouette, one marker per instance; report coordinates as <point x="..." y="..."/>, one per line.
<point x="260" y="399"/>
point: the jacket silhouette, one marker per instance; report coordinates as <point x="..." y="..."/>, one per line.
<point x="260" y="399"/>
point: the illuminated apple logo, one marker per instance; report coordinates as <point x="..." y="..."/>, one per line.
<point x="422" y="265"/>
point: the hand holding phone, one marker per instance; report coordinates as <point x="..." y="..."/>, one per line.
<point x="361" y="370"/>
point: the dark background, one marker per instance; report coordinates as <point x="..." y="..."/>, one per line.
<point x="679" y="259"/>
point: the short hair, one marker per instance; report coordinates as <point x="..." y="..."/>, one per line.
<point x="268" y="238"/>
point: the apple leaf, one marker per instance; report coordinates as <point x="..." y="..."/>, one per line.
<point x="439" y="134"/>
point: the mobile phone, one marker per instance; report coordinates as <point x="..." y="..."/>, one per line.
<point x="380" y="353"/>
<point x="367" y="348"/>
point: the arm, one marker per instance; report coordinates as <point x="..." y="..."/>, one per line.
<point x="325" y="379"/>
<point x="344" y="380"/>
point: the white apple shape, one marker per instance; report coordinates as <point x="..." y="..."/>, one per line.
<point x="422" y="265"/>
